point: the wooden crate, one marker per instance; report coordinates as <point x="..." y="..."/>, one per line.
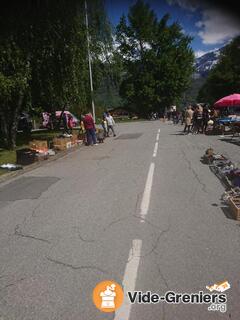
<point x="234" y="203"/>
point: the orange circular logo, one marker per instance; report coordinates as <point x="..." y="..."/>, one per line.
<point x="108" y="296"/>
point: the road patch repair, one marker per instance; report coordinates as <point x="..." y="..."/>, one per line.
<point x="26" y="188"/>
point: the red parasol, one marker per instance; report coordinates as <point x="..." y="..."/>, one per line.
<point x="230" y="101"/>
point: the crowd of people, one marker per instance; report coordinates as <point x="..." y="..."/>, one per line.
<point x="196" y="118"/>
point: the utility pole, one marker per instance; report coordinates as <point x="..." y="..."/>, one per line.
<point x="89" y="62"/>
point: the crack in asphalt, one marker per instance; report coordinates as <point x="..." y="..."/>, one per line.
<point x="73" y="267"/>
<point x="86" y="240"/>
<point x="34" y="210"/>
<point x="203" y="185"/>
<point x="114" y="222"/>
<point x="103" y="230"/>
<point x="18" y="232"/>
<point x="154" y="247"/>
<point x="160" y="271"/>
<point x="145" y="220"/>
<point x="12" y="284"/>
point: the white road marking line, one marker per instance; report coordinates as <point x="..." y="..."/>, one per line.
<point x="155" y="150"/>
<point x="129" y="279"/>
<point x="158" y="130"/>
<point x="147" y="192"/>
<point x="157" y="137"/>
<point x="131" y="270"/>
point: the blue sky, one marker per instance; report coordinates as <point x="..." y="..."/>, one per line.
<point x="209" y="25"/>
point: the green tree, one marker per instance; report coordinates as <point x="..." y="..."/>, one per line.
<point x="224" y="78"/>
<point x="43" y="57"/>
<point x="14" y="71"/>
<point x="157" y="57"/>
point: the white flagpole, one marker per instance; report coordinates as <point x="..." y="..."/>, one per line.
<point x="89" y="62"/>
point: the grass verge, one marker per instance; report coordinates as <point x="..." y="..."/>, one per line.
<point x="9" y="156"/>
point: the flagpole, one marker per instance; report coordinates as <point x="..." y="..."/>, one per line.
<point x="89" y="62"/>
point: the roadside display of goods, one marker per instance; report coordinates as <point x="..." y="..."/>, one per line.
<point x="61" y="143"/>
<point x="41" y="145"/>
<point x="234" y="203"/>
<point x="229" y="174"/>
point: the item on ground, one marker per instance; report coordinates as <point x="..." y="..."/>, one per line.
<point x="51" y="152"/>
<point x="231" y="193"/>
<point x="234" y="203"/>
<point x="67" y="135"/>
<point x="26" y="156"/>
<point x="41" y="145"/>
<point x="61" y="143"/>
<point x="11" y="166"/>
<point x="229" y="174"/>
<point x="42" y="156"/>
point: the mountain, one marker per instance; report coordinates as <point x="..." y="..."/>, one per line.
<point x="203" y="65"/>
<point x="206" y="62"/>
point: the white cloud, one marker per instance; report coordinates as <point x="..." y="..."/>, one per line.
<point x="191" y="5"/>
<point x="217" y="27"/>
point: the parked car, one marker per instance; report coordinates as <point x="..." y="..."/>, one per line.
<point x="46" y="119"/>
<point x="25" y="122"/>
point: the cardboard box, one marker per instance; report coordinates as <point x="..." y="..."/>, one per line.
<point x="61" y="143"/>
<point x="25" y="156"/>
<point x="234" y="203"/>
<point x="75" y="134"/>
<point x="38" y="145"/>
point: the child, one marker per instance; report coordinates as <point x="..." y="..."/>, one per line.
<point x="104" y="126"/>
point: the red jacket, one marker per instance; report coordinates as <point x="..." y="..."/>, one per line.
<point x="88" y="122"/>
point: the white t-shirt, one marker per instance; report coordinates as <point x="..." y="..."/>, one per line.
<point x="110" y="120"/>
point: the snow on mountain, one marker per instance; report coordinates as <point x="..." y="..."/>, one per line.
<point x="206" y="62"/>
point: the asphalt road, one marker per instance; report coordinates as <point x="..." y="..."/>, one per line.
<point x="140" y="209"/>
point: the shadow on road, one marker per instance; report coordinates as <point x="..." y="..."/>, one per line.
<point x="178" y="134"/>
<point x="227" y="212"/>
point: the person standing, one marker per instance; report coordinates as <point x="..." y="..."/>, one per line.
<point x="104" y="126"/>
<point x="110" y="124"/>
<point x="89" y="126"/>
<point x="205" y="119"/>
<point x="188" y="120"/>
<point x="199" y="118"/>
